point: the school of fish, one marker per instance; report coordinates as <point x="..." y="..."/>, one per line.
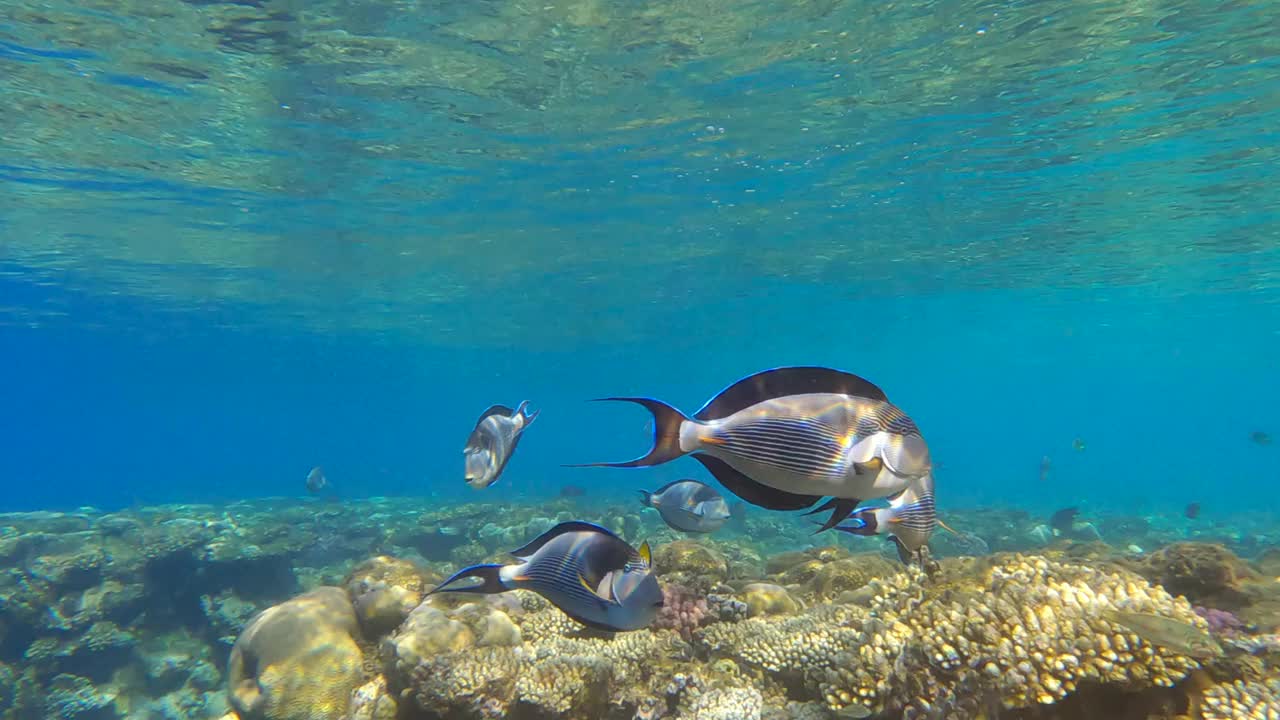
<point x="782" y="439"/>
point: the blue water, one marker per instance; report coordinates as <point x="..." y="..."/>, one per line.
<point x="226" y="258"/>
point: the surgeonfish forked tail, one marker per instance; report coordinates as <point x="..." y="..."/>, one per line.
<point x="589" y="573"/>
<point x="783" y="439"/>
<point x="493" y="441"/>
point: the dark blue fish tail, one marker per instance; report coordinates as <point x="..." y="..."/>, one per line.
<point x="490" y="581"/>
<point x="666" y="434"/>
<point x="646" y="498"/>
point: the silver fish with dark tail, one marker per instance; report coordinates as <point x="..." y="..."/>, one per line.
<point x="592" y="575"/>
<point x="688" y="506"/>
<point x="909" y="520"/>
<point x="783" y="439"/>
<point x="493" y="441"/>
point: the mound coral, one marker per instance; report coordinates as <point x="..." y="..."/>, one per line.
<point x="297" y="660"/>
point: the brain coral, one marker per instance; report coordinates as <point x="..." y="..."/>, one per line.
<point x="297" y="660"/>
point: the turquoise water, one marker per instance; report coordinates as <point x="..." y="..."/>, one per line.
<point x="243" y="239"/>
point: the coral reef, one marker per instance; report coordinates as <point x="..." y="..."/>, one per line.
<point x="135" y="614"/>
<point x="297" y="660"/>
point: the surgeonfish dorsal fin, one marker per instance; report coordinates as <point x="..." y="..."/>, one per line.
<point x="565" y="527"/>
<point x="495" y="410"/>
<point x="784" y="381"/>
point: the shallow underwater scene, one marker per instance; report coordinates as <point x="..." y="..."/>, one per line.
<point x="940" y="339"/>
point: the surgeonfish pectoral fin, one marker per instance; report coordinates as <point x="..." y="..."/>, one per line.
<point x="490" y="580"/>
<point x="646" y="554"/>
<point x="947" y="527"/>
<point x="666" y="434"/>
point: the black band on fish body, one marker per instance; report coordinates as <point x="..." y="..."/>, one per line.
<point x="753" y="492"/>
<point x="490" y="580"/>
<point x="666" y="434"/>
<point x="783" y="381"/>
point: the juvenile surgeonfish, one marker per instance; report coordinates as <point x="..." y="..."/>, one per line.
<point x="783" y="439"/>
<point x="592" y="575"/>
<point x="493" y="441"/>
<point x="688" y="506"/>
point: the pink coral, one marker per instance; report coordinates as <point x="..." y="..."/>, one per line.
<point x="1220" y="622"/>
<point x="683" y="610"/>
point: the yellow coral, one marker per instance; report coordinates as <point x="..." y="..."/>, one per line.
<point x="297" y="660"/>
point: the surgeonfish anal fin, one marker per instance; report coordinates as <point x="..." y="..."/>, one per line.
<point x="784" y="381"/>
<point x="840" y="508"/>
<point x="752" y="491"/>
<point x="565" y="527"/>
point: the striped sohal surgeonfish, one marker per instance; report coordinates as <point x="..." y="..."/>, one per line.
<point x="493" y="441"/>
<point x="592" y="575"/>
<point x="785" y="438"/>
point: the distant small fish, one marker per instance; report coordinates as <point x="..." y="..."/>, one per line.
<point x="688" y="506"/>
<point x="1063" y="520"/>
<point x="909" y="520"/>
<point x="493" y="441"/>
<point x="571" y="491"/>
<point x="1175" y="635"/>
<point x="1193" y="511"/>
<point x="1078" y="444"/>
<point x="1045" y="464"/>
<point x="1260" y="437"/>
<point x="783" y="439"/>
<point x="316" y="481"/>
<point x="592" y="575"/>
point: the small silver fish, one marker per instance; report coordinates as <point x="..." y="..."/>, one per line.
<point x="909" y="520"/>
<point x="592" y="575"/>
<point x="785" y="438"/>
<point x="316" y="481"/>
<point x="493" y="441"/>
<point x="1176" y="635"/>
<point x="688" y="506"/>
